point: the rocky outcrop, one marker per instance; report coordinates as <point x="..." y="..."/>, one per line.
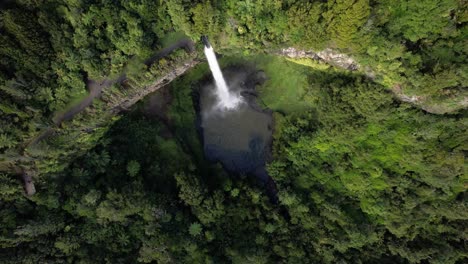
<point x="127" y="102"/>
<point x="344" y="61"/>
<point x="327" y="55"/>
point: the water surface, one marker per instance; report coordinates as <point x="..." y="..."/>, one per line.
<point x="239" y="139"/>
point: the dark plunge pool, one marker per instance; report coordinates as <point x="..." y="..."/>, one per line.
<point x="239" y="139"/>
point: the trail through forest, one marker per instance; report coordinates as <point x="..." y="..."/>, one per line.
<point x="95" y="89"/>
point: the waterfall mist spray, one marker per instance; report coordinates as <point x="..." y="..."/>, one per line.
<point x="227" y="99"/>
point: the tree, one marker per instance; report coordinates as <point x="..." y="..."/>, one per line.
<point x="195" y="229"/>
<point x="133" y="167"/>
<point x="411" y="18"/>
<point x="346" y="20"/>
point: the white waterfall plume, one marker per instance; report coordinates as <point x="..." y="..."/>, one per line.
<point x="227" y="99"/>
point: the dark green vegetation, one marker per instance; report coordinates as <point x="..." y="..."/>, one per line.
<point x="361" y="176"/>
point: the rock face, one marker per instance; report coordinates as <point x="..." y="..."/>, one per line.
<point x="344" y="61"/>
<point x="126" y="103"/>
<point x="327" y="55"/>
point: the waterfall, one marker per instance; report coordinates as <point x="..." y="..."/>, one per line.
<point x="227" y="99"/>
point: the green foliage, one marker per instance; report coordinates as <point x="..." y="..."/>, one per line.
<point x="195" y="229"/>
<point x="410" y="18"/>
<point x="304" y="27"/>
<point x="9" y="189"/>
<point x="361" y="177"/>
<point x="204" y="18"/>
<point x="345" y="19"/>
<point x="6" y="141"/>
<point x="380" y="161"/>
<point x="133" y="167"/>
<point x="280" y="90"/>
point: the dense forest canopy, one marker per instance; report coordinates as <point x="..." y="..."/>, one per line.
<point x="368" y="161"/>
